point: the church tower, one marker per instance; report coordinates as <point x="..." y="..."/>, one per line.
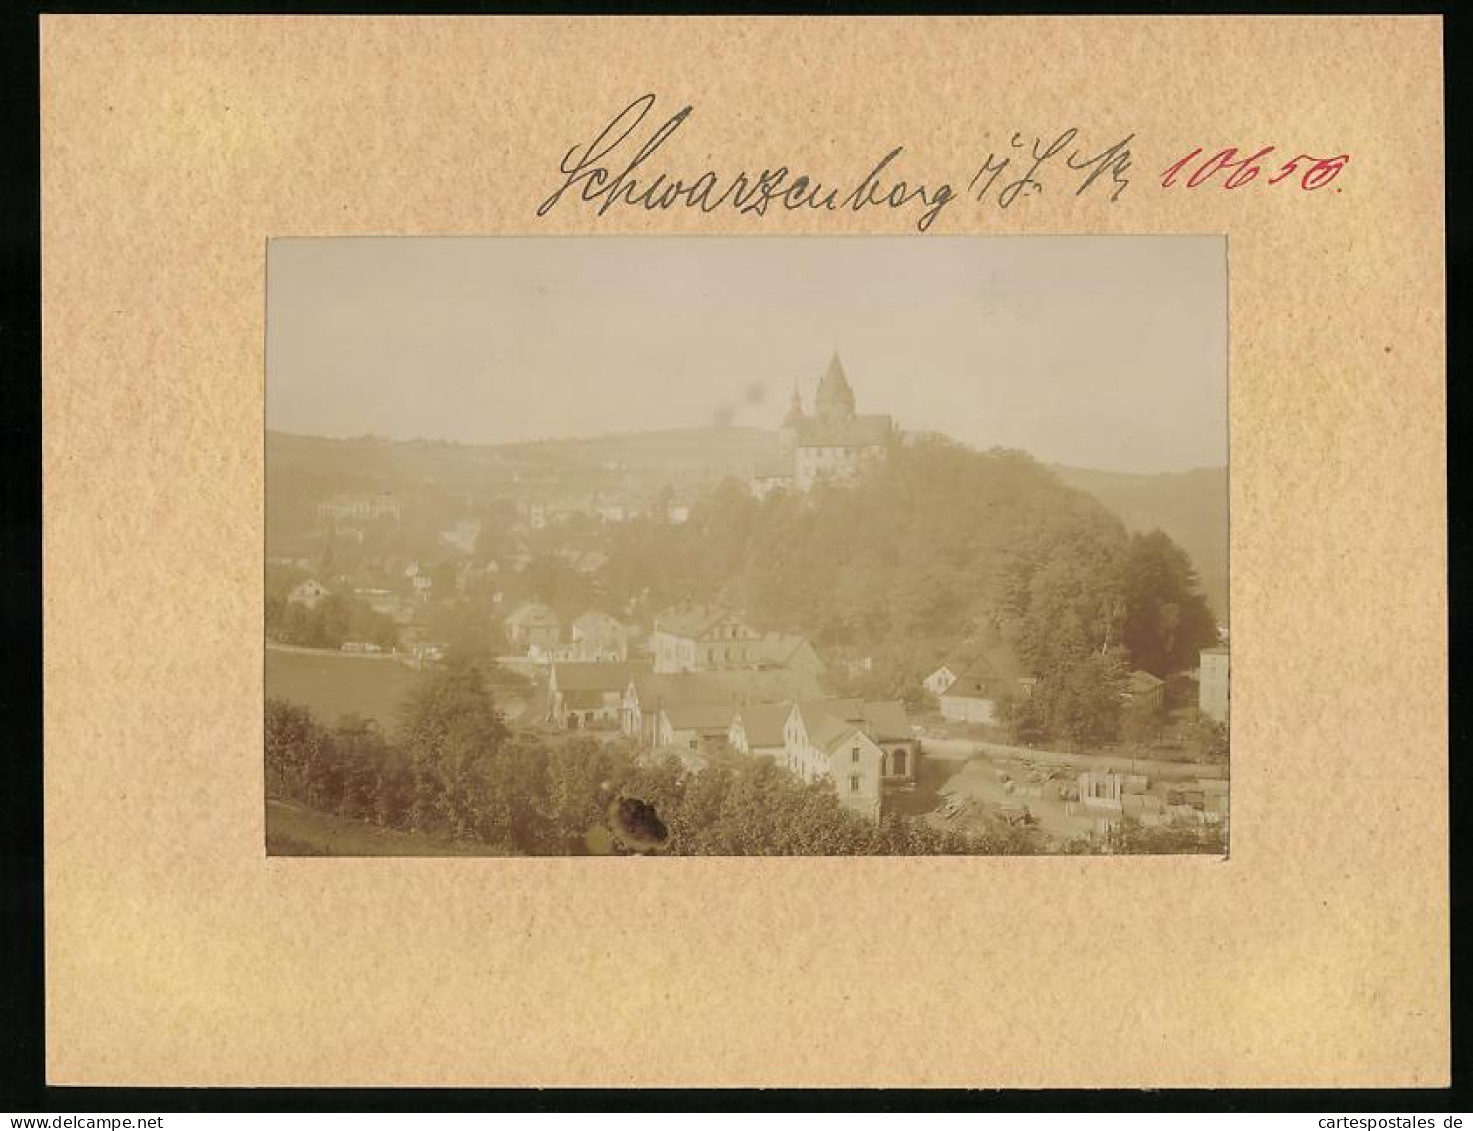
<point x="835" y="399"/>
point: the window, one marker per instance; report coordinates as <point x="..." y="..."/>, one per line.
<point x="854" y="755"/>
<point x="693" y="743"/>
<point x="854" y="783"/>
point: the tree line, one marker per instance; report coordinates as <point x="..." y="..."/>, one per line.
<point x="455" y="769"/>
<point x="332" y="622"/>
<point x="937" y="548"/>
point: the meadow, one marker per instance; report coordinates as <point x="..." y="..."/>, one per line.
<point x="292" y="829"/>
<point x="332" y="685"/>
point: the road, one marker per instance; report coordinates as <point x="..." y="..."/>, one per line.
<point x="968" y="748"/>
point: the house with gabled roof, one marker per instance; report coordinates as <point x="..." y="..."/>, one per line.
<point x="598" y="636"/>
<point x="757" y="729"/>
<point x="787" y="650"/>
<point x="972" y="696"/>
<point x="533" y="625"/>
<point x="689" y="726"/>
<point x="647" y="694"/>
<point x="691" y="638"/>
<point x="862" y="748"/>
<point x="944" y="676"/>
<point x="584" y="695"/>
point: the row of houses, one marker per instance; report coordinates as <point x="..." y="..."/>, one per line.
<point x="691" y="638"/>
<point x="686" y="638"/>
<point x="862" y="748"/>
<point x="535" y="629"/>
<point x="971" y="691"/>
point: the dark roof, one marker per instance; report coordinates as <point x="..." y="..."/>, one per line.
<point x="727" y="687"/>
<point x="700" y="716"/>
<point x="763" y="722"/>
<point x="829" y="721"/>
<point x="692" y="621"/>
<point x="833" y="388"/>
<point x="590" y="676"/>
<point x="782" y="648"/>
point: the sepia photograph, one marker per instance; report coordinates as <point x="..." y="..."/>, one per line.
<point x="735" y="546"/>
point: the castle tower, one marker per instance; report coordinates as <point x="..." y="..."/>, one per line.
<point x="835" y="399"/>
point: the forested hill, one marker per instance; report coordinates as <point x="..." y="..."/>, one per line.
<point x="1190" y="506"/>
<point x="937" y="548"/>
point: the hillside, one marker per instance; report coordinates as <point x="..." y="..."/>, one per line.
<point x="366" y="463"/>
<point x="1190" y="506"/>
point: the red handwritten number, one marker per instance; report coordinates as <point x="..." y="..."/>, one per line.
<point x="1169" y="176"/>
<point x="1321" y="171"/>
<point x="1247" y="169"/>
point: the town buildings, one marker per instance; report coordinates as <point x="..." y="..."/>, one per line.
<point x="360" y="508"/>
<point x="647" y="695"/>
<point x="691" y="638"/>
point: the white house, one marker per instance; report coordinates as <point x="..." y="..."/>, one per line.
<point x="598" y="636"/>
<point x="702" y="638"/>
<point x="943" y="677"/>
<point x="859" y="747"/>
<point x="1213" y="691"/>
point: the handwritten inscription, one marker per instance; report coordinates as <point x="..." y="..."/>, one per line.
<point x="1236" y="171"/>
<point x="618" y="168"/>
<point x="1112" y="162"/>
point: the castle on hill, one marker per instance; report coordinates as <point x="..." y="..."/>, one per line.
<point x="834" y="443"/>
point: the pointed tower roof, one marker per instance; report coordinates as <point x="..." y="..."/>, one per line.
<point x="835" y="398"/>
<point x="795" y="409"/>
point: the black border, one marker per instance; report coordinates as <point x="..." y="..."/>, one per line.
<point x="22" y="1013"/>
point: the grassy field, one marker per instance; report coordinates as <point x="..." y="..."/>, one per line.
<point x="332" y="686"/>
<point x="295" y="830"/>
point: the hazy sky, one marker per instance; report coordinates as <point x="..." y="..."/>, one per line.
<point x="1107" y="352"/>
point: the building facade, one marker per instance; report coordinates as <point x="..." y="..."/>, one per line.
<point x="861" y="748"/>
<point x="1213" y="690"/>
<point x="701" y="638"/>
<point x="583" y="696"/>
<point x="598" y="636"/>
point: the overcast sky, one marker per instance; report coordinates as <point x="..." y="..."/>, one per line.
<point x="1107" y="352"/>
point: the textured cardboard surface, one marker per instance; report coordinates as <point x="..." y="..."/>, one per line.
<point x="174" y="147"/>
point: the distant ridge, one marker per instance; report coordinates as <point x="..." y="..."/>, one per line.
<point x="1190" y="506"/>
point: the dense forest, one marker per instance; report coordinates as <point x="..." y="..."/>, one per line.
<point x="940" y="552"/>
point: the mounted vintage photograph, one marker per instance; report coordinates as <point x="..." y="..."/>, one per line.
<point x="746" y="546"/>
